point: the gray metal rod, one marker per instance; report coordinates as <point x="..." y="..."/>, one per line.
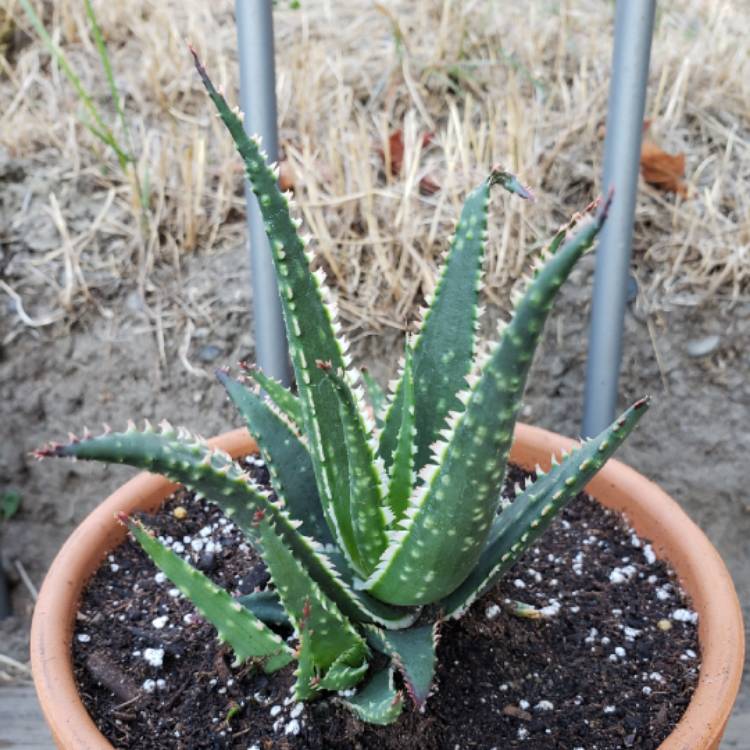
<point x="258" y="102"/>
<point x="5" y="608"/>
<point x="634" y="23"/>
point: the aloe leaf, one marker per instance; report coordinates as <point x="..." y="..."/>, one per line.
<point x="287" y="403"/>
<point x="448" y="520"/>
<point x="266" y="606"/>
<point x="521" y="524"/>
<point x="378" y="702"/>
<point x="365" y="493"/>
<point x="444" y="347"/>
<point x="402" y="465"/>
<point x="414" y="652"/>
<point x="344" y="673"/>
<point x="287" y="459"/>
<point x="305" y="686"/>
<point x="311" y="327"/>
<point x="242" y="630"/>
<point x="330" y="632"/>
<point x="190" y="461"/>
<point x="375" y="395"/>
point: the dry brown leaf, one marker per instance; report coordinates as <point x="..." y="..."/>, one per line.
<point x="287" y="176"/>
<point x="661" y="169"/>
<point x="427" y="186"/>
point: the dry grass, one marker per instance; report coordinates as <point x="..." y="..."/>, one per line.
<point x="524" y="84"/>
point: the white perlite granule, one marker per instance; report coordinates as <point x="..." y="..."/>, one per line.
<point x="83" y="637"/>
<point x="154" y="656"/>
<point x="292" y="727"/>
<point x="160" y="622"/>
<point x="544" y="705"/>
<point x="620" y="575"/>
<point x="685" y="615"/>
<point x="492" y="611"/>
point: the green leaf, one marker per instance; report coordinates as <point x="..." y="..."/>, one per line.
<point x="378" y="702"/>
<point x="287" y="459"/>
<point x="311" y="331"/>
<point x="402" y="465"/>
<point x="365" y="493"/>
<point x="521" y="524"/>
<point x="10" y="502"/>
<point x="286" y="402"/>
<point x="448" y="520"/>
<point x="237" y="626"/>
<point x="414" y="652"/>
<point x="341" y="675"/>
<point x="190" y="461"/>
<point x="266" y="606"/>
<point x="330" y="633"/>
<point x="375" y="395"/>
<point x="444" y="347"/>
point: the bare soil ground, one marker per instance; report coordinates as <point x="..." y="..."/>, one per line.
<point x="102" y="322"/>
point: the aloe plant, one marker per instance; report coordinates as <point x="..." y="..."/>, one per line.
<point x="379" y="531"/>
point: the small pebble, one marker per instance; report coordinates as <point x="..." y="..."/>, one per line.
<point x="180" y="513"/>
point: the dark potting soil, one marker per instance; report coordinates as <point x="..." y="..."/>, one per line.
<point x="610" y="659"/>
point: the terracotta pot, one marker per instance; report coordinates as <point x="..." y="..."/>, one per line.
<point x="654" y="515"/>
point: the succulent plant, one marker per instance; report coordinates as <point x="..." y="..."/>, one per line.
<point x="378" y="531"/>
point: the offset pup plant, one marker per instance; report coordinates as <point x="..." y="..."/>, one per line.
<point x="379" y="531"/>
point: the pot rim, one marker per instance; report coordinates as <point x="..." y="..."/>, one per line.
<point x="652" y="513"/>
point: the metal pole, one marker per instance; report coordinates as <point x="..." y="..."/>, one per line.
<point x="634" y="23"/>
<point x="258" y="102"/>
<point x="5" y="609"/>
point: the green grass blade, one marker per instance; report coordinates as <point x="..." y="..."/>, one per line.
<point x="100" y="128"/>
<point x="106" y="64"/>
